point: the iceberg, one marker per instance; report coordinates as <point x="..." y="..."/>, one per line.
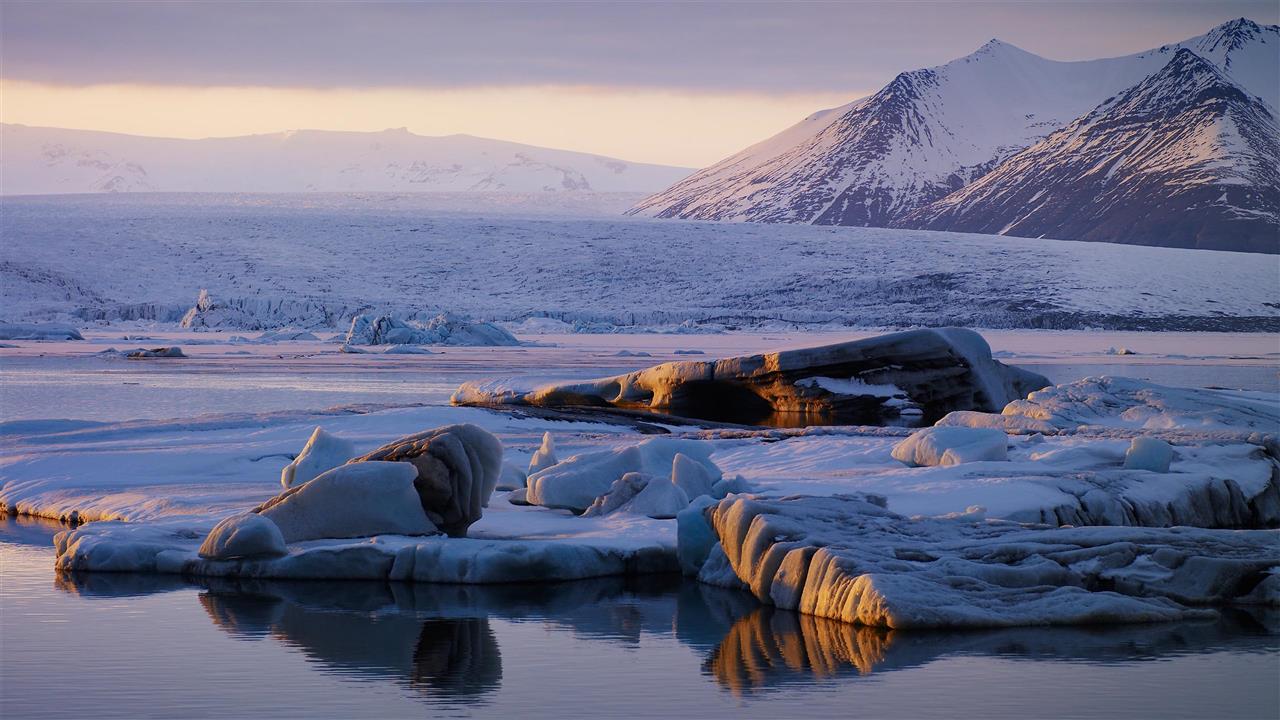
<point x="931" y="372"/>
<point x="456" y="468"/>
<point x="848" y="558"/>
<point x="38" y="331"/>
<point x="951" y="446"/>
<point x="246" y="535"/>
<point x="576" y="483"/>
<point x="350" y="501"/>
<point x="445" y="329"/>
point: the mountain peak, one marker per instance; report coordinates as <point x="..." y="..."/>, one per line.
<point x="1238" y="26"/>
<point x="1236" y="34"/>
<point x="996" y="45"/>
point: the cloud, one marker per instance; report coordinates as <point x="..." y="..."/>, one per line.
<point x="756" y="47"/>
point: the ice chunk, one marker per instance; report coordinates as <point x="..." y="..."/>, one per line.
<point x="660" y="499"/>
<point x="247" y="535"/>
<point x="41" y="331"/>
<point x="545" y="456"/>
<point x="349" y="501"/>
<point x="848" y="559"/>
<point x="691" y="476"/>
<point x="160" y="352"/>
<point x="323" y="451"/>
<point x="457" y="469"/>
<point x="640" y="494"/>
<point x="873" y="379"/>
<point x="441" y="330"/>
<point x="729" y="486"/>
<point x="951" y="446"/>
<point x="575" y="483"/>
<point x="1148" y="453"/>
<point x="621" y="492"/>
<point x="694" y="535"/>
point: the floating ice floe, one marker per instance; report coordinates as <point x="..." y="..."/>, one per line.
<point x="931" y="372"/>
<point x="443" y="329"/>
<point x="849" y="558"/>
<point x="40" y="331"/>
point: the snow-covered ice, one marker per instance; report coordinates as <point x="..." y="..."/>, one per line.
<point x="74" y="260"/>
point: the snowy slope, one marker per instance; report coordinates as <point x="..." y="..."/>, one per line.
<point x="39" y="160"/>
<point x="931" y="132"/>
<point x="305" y="260"/>
<point x="1185" y="158"/>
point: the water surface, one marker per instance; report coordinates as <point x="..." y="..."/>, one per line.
<point x="118" y="645"/>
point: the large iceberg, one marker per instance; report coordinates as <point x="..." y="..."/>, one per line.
<point x="849" y="558"/>
<point x="870" y="381"/>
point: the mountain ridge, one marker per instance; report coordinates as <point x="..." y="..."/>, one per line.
<point x="43" y="160"/>
<point x="1185" y="135"/>
<point x="931" y="132"/>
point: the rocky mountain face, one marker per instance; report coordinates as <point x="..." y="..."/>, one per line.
<point x="1184" y="158"/>
<point x="912" y="153"/>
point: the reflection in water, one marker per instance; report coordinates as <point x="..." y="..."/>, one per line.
<point x="769" y="648"/>
<point x="436" y="639"/>
<point x="455" y="647"/>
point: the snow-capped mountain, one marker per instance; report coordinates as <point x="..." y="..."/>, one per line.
<point x="932" y="132"/>
<point x="1184" y="158"/>
<point x="38" y="160"/>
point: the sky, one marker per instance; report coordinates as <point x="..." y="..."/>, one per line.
<point x="673" y="83"/>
